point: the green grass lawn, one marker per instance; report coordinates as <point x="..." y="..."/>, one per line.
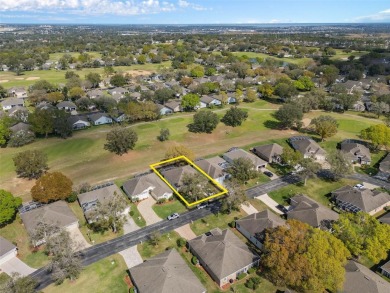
<point x="168" y="208"/>
<point x="343" y="55"/>
<point x="137" y="217"/>
<point x="167" y="240"/>
<point x="259" y="179"/>
<point x="106" y="275"/>
<point x="316" y="188"/>
<point x="297" y="61"/>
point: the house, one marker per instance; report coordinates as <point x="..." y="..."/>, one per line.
<point x="208" y="101"/>
<point x="355" y="200"/>
<point x="118" y="116"/>
<point x="359" y="278"/>
<point x="89" y="200"/>
<point x="174" y="105"/>
<point x="254" y="226"/>
<point x="21" y="126"/>
<point x="94" y="94"/>
<point x="7" y="250"/>
<point x="17" y="92"/>
<point x="78" y="122"/>
<point x="67" y="106"/>
<point x="356" y="151"/>
<point x="271" y="153"/>
<point x="384" y="169"/>
<point x="57" y="213"/>
<point x="163" y="110"/>
<point x="100" y="118"/>
<point x="214" y="167"/>
<point x="236" y="153"/>
<point x="165" y="273"/>
<point x="10" y="103"/>
<point x="136" y="95"/>
<point x="311" y="212"/>
<point x="308" y="147"/>
<point x="20" y="112"/>
<point x="223" y="255"/>
<point x="231" y="98"/>
<point x="385" y="219"/>
<point x="118" y="90"/>
<point x="175" y="175"/>
<point x="385" y="269"/>
<point x="140" y="187"/>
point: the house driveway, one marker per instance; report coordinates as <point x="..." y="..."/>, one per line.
<point x="78" y="239"/>
<point x="129" y="225"/>
<point x="269" y="202"/>
<point x="145" y="208"/>
<point x="248" y="208"/>
<point x="131" y="254"/>
<point x="17" y="266"/>
<point x="186" y="232"/>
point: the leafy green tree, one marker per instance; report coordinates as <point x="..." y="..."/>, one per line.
<point x="76" y="93"/>
<point x="325" y="126"/>
<point x="204" y="121"/>
<point x="30" y="164"/>
<point x="251" y="96"/>
<point x="291" y="157"/>
<point x="84" y="103"/>
<point x="329" y="74"/>
<point x="285" y="90"/>
<point x="379" y="135"/>
<point x="290" y="115"/>
<point x="340" y="165"/>
<point x="155" y="238"/>
<point x="70" y="74"/>
<point x="310" y="169"/>
<point x="164" y="134"/>
<point x="5" y="132"/>
<point x="118" y="80"/>
<point x="242" y="169"/>
<point x="93" y="78"/>
<point x="51" y="187"/>
<point x="120" y="140"/>
<point x="363" y="235"/>
<point x="189" y="102"/>
<point x="108" y="70"/>
<point x="235" y="197"/>
<point x="8" y="206"/>
<point x="194" y="186"/>
<point x="105" y="103"/>
<point x="21" y="138"/>
<point x="3" y="92"/>
<point x="43" y="85"/>
<point x="42" y="121"/>
<point x="186" y="81"/>
<point x="61" y="124"/>
<point x="296" y="258"/>
<point x="197" y="71"/>
<point x="141" y="59"/>
<point x="234" y="117"/>
<point x="163" y="95"/>
<point x="266" y="90"/>
<point x="304" y="83"/>
<point x="179" y="150"/>
<point x="55" y="97"/>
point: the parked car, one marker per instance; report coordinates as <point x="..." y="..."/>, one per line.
<point x="202" y="205"/>
<point x="268" y="173"/>
<point x="173" y="216"/>
<point x="282" y="208"/>
<point x="359" y="186"/>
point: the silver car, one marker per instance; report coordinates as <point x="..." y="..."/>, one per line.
<point x="173" y="216"/>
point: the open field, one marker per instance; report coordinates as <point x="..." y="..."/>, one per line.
<point x="58" y="76"/>
<point x="297" y="61"/>
<point x="57" y="56"/>
<point x="340" y="55"/>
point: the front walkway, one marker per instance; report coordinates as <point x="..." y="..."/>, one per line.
<point x="145" y="208"/>
<point x="15" y="265"/>
<point x="186" y="232"/>
<point x="269" y="202"/>
<point x="248" y="208"/>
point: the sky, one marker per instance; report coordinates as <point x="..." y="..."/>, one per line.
<point x="193" y="11"/>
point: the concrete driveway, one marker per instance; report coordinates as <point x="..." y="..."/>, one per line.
<point x="186" y="232"/>
<point x="131" y="254"/>
<point x="129" y="225"/>
<point x="17" y="266"/>
<point x="248" y="208"/>
<point x="269" y="202"/>
<point x="78" y="239"/>
<point x="145" y="208"/>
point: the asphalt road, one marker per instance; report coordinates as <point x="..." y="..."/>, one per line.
<point x="366" y="178"/>
<point x="272" y="185"/>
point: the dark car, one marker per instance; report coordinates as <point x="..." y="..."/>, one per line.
<point x="202" y="205"/>
<point x="268" y="173"/>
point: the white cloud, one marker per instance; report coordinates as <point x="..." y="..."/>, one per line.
<point x="186" y="4"/>
<point x="380" y="16"/>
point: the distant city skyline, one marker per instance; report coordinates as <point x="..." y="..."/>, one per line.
<point x="193" y="11"/>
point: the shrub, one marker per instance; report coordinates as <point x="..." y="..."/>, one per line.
<point x="131" y="213"/>
<point x="181" y="242"/>
<point x="232" y="224"/>
<point x="194" y="260"/>
<point x="161" y="201"/>
<point x="241" y="276"/>
<point x="368" y="115"/>
<point x="132" y="290"/>
<point x="251" y="270"/>
<point x="249" y="284"/>
<point x="72" y="197"/>
<point x="253" y="283"/>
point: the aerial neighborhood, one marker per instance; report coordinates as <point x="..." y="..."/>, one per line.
<point x="194" y="159"/>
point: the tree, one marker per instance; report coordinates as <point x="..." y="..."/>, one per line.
<point x="19" y="284"/>
<point x="42" y="121"/>
<point x="363" y="235"/>
<point x="3" y="92"/>
<point x="242" y="169"/>
<point x="340" y="165"/>
<point x="251" y="96"/>
<point x="190" y="101"/>
<point x="70" y="74"/>
<point x="61" y="125"/>
<point x="194" y="186"/>
<point x="204" y="121"/>
<point x="310" y="169"/>
<point x="155" y="238"/>
<point x="5" y="132"/>
<point x="93" y="78"/>
<point x="141" y="59"/>
<point x="304" y="83"/>
<point x="21" y="138"/>
<point x="234" y="117"/>
<point x="291" y="157"/>
<point x="51" y="187"/>
<point x="108" y="70"/>
<point x="118" y="80"/>
<point x="30" y="164"/>
<point x="55" y="97"/>
<point x="43" y="85"/>
<point x="8" y="206"/>
<point x="179" y="150"/>
<point x="164" y="134"/>
<point x="285" y="90"/>
<point x="329" y="74"/>
<point x="325" y="126"/>
<point x="163" y="95"/>
<point x="234" y="198"/>
<point x="289" y="115"/>
<point x="105" y="103"/>
<point x="379" y="108"/>
<point x="120" y="140"/>
<point x="304" y="258"/>
<point x="239" y="96"/>
<point x="76" y="93"/>
<point x="186" y="81"/>
<point x="266" y="90"/>
<point x="84" y="103"/>
<point x="378" y="134"/>
<point x="197" y="71"/>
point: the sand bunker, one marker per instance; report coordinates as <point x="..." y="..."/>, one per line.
<point x="19" y="78"/>
<point x="306" y="122"/>
<point x="32" y="78"/>
<point x="4" y="80"/>
<point x="139" y="72"/>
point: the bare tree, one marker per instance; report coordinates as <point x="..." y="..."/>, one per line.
<point x="18" y="284"/>
<point x="43" y="231"/>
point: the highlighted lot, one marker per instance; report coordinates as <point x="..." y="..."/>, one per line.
<point x="222" y="190"/>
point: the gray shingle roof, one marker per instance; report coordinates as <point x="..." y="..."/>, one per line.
<point x="165" y="273"/>
<point x="240" y="153"/>
<point x="258" y="222"/>
<point x="385" y="219"/>
<point x="354" y="150"/>
<point x="101" y="194"/>
<point x="384" y="165"/>
<point x="266" y="152"/>
<point x="213" y="166"/>
<point x="139" y="184"/>
<point x="175" y="175"/>
<point x="306" y="145"/>
<point x="20" y="126"/>
<point x="5" y="246"/>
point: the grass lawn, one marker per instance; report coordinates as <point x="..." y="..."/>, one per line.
<point x="167" y="240"/>
<point x="17" y="234"/>
<point x="58" y="56"/>
<point x="316" y="188"/>
<point x="376" y="157"/>
<point x="297" y="61"/>
<point x="258" y="204"/>
<point x="344" y="56"/>
<point x="106" y="275"/>
<point x="3" y="279"/>
<point x="260" y="178"/>
<point x="168" y="208"/>
<point x="137" y="217"/>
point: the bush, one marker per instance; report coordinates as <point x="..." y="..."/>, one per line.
<point x="232" y="224"/>
<point x="368" y="115"/>
<point x="181" y="242"/>
<point x="253" y="283"/>
<point x="251" y="270"/>
<point x="161" y="201"/>
<point x="194" y="260"/>
<point x="131" y="213"/>
<point x="132" y="290"/>
<point x="72" y="197"/>
<point x="241" y="276"/>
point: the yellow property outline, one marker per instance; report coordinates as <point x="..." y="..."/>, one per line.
<point x="219" y="186"/>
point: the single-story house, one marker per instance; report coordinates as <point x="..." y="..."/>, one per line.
<point x="19" y="127"/>
<point x="164" y="110"/>
<point x="385" y="219"/>
<point x="306" y="210"/>
<point x="254" y="226"/>
<point x="355" y="200"/>
<point x="165" y="273"/>
<point x="175" y="175"/>
<point x="356" y="152"/>
<point x="7" y="250"/>
<point x="240" y="153"/>
<point x="214" y="167"/>
<point x="78" y="122"/>
<point x="21" y="112"/>
<point x="94" y="94"/>
<point x="308" y="147"/>
<point x="136" y="95"/>
<point x="385" y="269"/>
<point x="118" y="116"/>
<point x="118" y="90"/>
<point x="208" y="101"/>
<point x="223" y="255"/>
<point x="55" y="213"/>
<point x="17" y="92"/>
<point x="271" y="153"/>
<point x="359" y="278"/>
<point x="384" y="169"/>
<point x="89" y="200"/>
<point x="140" y="187"/>
<point x="10" y="103"/>
<point x="231" y="98"/>
<point x="67" y="106"/>
<point x="174" y="105"/>
<point x="100" y="118"/>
